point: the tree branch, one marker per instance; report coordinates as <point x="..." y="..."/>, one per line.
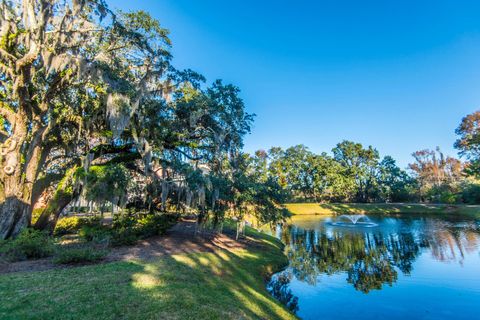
<point x="109" y="149"/>
<point x="6" y="112"/>
<point x="189" y="156"/>
<point x="7" y="56"/>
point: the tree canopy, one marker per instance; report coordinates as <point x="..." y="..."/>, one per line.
<point x="84" y="87"/>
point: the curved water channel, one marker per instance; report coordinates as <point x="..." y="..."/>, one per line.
<point x="405" y="267"/>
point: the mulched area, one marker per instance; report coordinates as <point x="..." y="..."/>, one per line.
<point x="180" y="239"/>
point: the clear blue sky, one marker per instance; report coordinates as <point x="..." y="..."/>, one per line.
<point x="398" y="75"/>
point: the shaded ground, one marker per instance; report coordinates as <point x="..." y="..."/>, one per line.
<point x="181" y="239"/>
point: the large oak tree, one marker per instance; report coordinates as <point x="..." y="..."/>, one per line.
<point x="65" y="67"/>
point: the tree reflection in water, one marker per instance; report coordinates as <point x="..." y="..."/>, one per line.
<point x="371" y="258"/>
<point x="278" y="287"/>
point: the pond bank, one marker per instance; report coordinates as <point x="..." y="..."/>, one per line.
<point x="204" y="280"/>
<point x="379" y="208"/>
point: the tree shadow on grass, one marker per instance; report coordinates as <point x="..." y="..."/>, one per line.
<point x="216" y="285"/>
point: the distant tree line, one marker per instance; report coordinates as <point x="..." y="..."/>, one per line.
<point x="355" y="173"/>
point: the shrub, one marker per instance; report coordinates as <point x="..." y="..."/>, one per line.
<point x="127" y="229"/>
<point x="74" y="255"/>
<point x="471" y="192"/>
<point x="146" y="227"/>
<point x="67" y="225"/>
<point x="123" y="236"/>
<point x="91" y="221"/>
<point x="95" y="233"/>
<point x="449" y="198"/>
<point x="73" y="224"/>
<point x="30" y="244"/>
<point x="3" y="247"/>
<point x="152" y="225"/>
<point x="128" y="220"/>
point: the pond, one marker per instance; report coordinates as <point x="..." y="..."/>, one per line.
<point x="403" y="267"/>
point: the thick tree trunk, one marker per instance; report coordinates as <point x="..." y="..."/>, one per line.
<point x="49" y="216"/>
<point x="16" y="210"/>
<point x="14" y="216"/>
<point x="63" y="196"/>
<point x="17" y="187"/>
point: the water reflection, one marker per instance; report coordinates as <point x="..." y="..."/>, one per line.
<point x="371" y="258"/>
<point x="280" y="290"/>
<point x="368" y="258"/>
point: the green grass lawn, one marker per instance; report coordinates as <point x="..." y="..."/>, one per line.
<point x="380" y="208"/>
<point x="220" y="285"/>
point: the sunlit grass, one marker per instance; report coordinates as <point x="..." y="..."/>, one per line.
<point x="378" y="208"/>
<point x="219" y="285"/>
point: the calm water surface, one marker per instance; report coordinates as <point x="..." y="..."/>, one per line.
<point x="403" y="268"/>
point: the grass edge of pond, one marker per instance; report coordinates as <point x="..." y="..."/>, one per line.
<point x="381" y="208"/>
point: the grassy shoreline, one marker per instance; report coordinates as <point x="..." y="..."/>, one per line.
<point x="225" y="284"/>
<point x="379" y="208"/>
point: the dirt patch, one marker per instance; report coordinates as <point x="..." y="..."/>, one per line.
<point x="180" y="239"/>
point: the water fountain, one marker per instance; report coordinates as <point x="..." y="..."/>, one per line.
<point x="353" y="220"/>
